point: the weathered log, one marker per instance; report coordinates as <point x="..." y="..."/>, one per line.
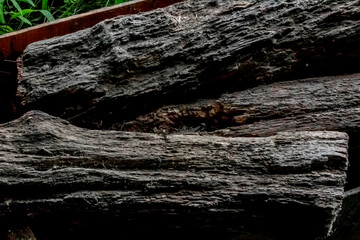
<point x="318" y="104"/>
<point x="179" y="182"/>
<point x="105" y="76"/>
<point x="129" y="65"/>
<point x="20" y="233"/>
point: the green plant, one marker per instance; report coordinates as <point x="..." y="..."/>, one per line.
<point x="73" y="7"/>
<point x="17" y="14"/>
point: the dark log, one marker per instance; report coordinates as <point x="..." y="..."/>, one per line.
<point x="55" y="176"/>
<point x="347" y="225"/>
<point x="20" y="233"/>
<point x="316" y="104"/>
<point x="129" y="65"/>
<point x="12" y="45"/>
<point x="53" y="170"/>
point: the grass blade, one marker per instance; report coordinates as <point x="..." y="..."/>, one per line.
<point x="31" y="3"/>
<point x="47" y="15"/>
<point x="2" y="18"/>
<point x="28" y="1"/>
<point x="16" y="5"/>
<point x="25" y="20"/>
<point x="44" y="5"/>
<point x="5" y="29"/>
<point x="23" y="12"/>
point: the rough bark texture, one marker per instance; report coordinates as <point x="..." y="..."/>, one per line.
<point x="318" y="104"/>
<point x="126" y="66"/>
<point x="20" y="233"/>
<point x="48" y="165"/>
<point x="127" y="74"/>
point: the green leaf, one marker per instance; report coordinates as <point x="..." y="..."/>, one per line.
<point x="5" y="29"/>
<point x="37" y="19"/>
<point x="2" y="18"/>
<point x="23" y="12"/>
<point x="47" y="15"/>
<point x="70" y="1"/>
<point x="29" y="2"/>
<point x="16" y="5"/>
<point x="44" y="5"/>
<point x="25" y="20"/>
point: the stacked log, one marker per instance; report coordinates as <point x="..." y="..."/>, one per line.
<point x="211" y="118"/>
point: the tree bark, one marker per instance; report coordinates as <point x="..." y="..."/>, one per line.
<point x="129" y="65"/>
<point x="318" y="104"/>
<point x="118" y="74"/>
<point x="49" y="166"/>
<point x="20" y="233"/>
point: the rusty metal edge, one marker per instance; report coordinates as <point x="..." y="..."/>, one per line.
<point x="13" y="44"/>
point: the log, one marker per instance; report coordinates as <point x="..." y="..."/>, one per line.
<point x="59" y="173"/>
<point x="315" y="104"/>
<point x="318" y="104"/>
<point x="93" y="184"/>
<point x="131" y="65"/>
<point x="20" y="233"/>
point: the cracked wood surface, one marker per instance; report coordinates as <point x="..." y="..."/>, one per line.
<point x="315" y="104"/>
<point x="116" y="74"/>
<point x="48" y="165"/>
<point x="126" y="66"/>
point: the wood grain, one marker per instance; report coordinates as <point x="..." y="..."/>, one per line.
<point x="48" y="165"/>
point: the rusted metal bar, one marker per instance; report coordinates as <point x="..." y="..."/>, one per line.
<point x="13" y="44"/>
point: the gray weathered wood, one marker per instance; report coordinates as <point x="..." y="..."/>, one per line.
<point x="126" y="67"/>
<point x="129" y="65"/>
<point x="48" y="165"/>
<point x="316" y="104"/>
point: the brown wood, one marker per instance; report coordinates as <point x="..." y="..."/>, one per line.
<point x="20" y="233"/>
<point x="13" y="44"/>
<point x="51" y="169"/>
<point x="317" y="104"/>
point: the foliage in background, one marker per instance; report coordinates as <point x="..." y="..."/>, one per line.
<point x="72" y="7"/>
<point x="19" y="14"/>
